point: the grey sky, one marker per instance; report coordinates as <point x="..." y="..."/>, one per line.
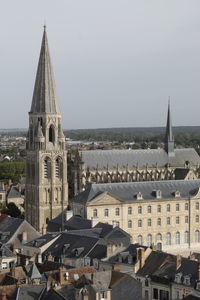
<point x="115" y="61"/>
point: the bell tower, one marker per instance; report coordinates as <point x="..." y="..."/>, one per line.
<point x="46" y="163"/>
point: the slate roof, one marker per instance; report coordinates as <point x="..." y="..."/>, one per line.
<point x="30" y="292"/>
<point x="32" y="271"/>
<point x="39" y="242"/>
<point x="122" y="257"/>
<point x="106" y="228"/>
<point x="181" y="173"/>
<point x="161" y="267"/>
<point x="141" y="158"/>
<point x="8" y="227"/>
<point x="14" y="192"/>
<point x="128" y="191"/>
<point x="6" y="252"/>
<point x="75" y="222"/>
<point x="71" y="245"/>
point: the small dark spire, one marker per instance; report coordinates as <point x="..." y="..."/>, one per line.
<point x="169" y="139"/>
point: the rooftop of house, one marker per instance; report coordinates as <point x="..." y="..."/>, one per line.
<point x="163" y="267"/>
<point x="8" y="227"/>
<point x="73" y="223"/>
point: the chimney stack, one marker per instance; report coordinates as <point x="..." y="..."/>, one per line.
<point x="178" y="261"/>
<point x="95" y="221"/>
<point x="68" y="214"/>
<point x="141" y="257"/>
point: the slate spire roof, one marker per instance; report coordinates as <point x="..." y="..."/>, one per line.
<point x="169" y="139"/>
<point x="44" y="95"/>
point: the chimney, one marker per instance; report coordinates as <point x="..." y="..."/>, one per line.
<point x="178" y="261"/>
<point x="198" y="271"/>
<point x="44" y="230"/>
<point x="68" y="214"/>
<point x="95" y="221"/>
<point x="141" y="257"/>
<point x="39" y="258"/>
<point x="24" y="237"/>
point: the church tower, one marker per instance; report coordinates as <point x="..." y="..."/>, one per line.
<point x="169" y="139"/>
<point x="46" y="163"/>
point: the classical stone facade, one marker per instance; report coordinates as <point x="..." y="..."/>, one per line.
<point x="46" y="163"/>
<point x="165" y="214"/>
<point x="109" y="166"/>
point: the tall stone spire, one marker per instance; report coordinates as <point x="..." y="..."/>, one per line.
<point x="46" y="160"/>
<point x="169" y="139"/>
<point x="44" y="95"/>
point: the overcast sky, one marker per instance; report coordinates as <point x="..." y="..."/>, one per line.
<point x="115" y="61"/>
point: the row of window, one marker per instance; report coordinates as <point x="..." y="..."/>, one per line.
<point x="168" y="221"/>
<point x="149" y="209"/>
<point x="168" y="238"/>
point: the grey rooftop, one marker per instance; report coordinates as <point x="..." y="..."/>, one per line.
<point x="129" y="191"/>
<point x="140" y="158"/>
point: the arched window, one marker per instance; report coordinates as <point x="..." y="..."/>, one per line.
<point x="95" y="212"/>
<point x="177" y="241"/>
<point x="117" y="211"/>
<point x="149" y="209"/>
<point x="47" y="167"/>
<point x="186" y="237"/>
<point x="159" y="237"/>
<point x="129" y="224"/>
<point x="168" y="220"/>
<point x="139" y="240"/>
<point x="197" y="205"/>
<point x="149" y="240"/>
<point x="197" y="218"/>
<point x="51" y="134"/>
<point x="177" y="207"/>
<point x="58" y="167"/>
<point x="139" y="209"/>
<point x="186" y="206"/>
<point x="129" y="210"/>
<point x="139" y="223"/>
<point x="106" y="212"/>
<point x="197" y="236"/>
<point x="159" y="221"/>
<point x="168" y="238"/>
<point x="168" y="207"/>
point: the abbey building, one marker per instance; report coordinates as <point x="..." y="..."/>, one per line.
<point x="46" y="164"/>
<point x="111" y="166"/>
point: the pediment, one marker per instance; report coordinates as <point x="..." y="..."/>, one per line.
<point x="105" y="199"/>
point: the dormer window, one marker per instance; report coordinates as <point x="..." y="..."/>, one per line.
<point x="198" y="286"/>
<point x="186" y="280"/>
<point x="177" y="194"/>
<point x="139" y="196"/>
<point x="178" y="278"/>
<point x="158" y="194"/>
